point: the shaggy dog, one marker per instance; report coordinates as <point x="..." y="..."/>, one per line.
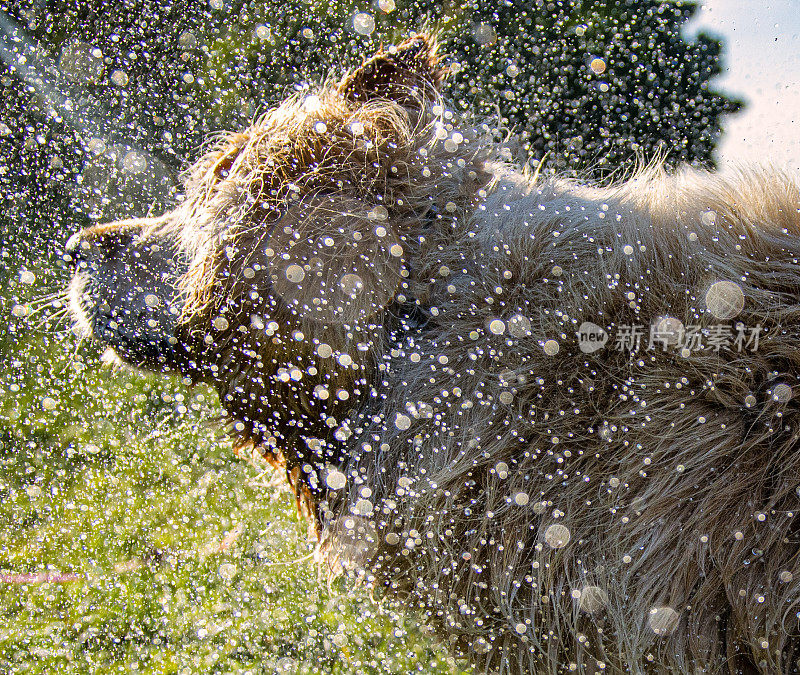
<point x="559" y="419"/>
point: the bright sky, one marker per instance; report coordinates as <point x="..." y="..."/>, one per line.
<point x="762" y="64"/>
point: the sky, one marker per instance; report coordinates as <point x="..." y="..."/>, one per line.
<point x="762" y="65"/>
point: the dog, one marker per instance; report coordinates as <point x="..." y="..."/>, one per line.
<point x="557" y="418"/>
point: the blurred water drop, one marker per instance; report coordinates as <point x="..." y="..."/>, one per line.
<point x="227" y="571"/>
<point x="551" y="347"/>
<point x="662" y="620"/>
<point x="134" y="162"/>
<point x="484" y="34"/>
<point x="363" y="23"/>
<point x="295" y="274"/>
<point x="592" y="599"/>
<point x="481" y="646"/>
<point x="264" y="33"/>
<point x="506" y="397"/>
<point x="708" y="218"/>
<point x="312" y="103"/>
<point x="187" y="40"/>
<point x="378" y="212"/>
<point x="120" y="78"/>
<point x="79" y="63"/>
<point x="725" y="300"/>
<point x="669" y="330"/>
<point x="557" y="535"/>
<point x="782" y="393"/>
<point x="521" y="498"/>
<point x="285" y="664"/>
<point x="497" y="327"/>
<point x="335" y="479"/>
<point x="363" y="507"/>
<point x="598" y="66"/>
<point x="96" y="146"/>
<point x="351" y="284"/>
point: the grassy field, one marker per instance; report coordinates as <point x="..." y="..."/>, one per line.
<point x="132" y="540"/>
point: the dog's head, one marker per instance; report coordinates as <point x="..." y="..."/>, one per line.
<point x="290" y="258"/>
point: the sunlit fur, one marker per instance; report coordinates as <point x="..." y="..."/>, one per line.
<point x="446" y="450"/>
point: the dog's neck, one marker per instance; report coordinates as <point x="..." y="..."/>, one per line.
<point x="306" y="419"/>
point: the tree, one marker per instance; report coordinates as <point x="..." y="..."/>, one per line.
<point x="598" y="82"/>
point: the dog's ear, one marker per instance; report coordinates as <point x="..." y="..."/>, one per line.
<point x="334" y="259"/>
<point x="406" y="73"/>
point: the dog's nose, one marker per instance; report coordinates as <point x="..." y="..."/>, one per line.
<point x="75" y="249"/>
<point x="80" y="249"/>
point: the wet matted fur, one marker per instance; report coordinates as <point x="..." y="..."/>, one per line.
<point x="391" y="313"/>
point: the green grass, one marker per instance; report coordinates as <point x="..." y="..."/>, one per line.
<point x="182" y="555"/>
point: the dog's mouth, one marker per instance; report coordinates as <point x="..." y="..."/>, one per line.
<point x="129" y="302"/>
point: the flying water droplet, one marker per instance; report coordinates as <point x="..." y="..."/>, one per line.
<point x="551" y="347"/>
<point x="497" y="327"/>
<point x="363" y="23"/>
<point x="295" y="274"/>
<point x="662" y="620"/>
<point x="557" y="535"/>
<point x="725" y="300"/>
<point x="335" y="479"/>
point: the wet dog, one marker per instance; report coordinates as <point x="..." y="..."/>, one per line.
<point x="557" y="418"/>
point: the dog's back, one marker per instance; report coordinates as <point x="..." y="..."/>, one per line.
<point x="622" y="494"/>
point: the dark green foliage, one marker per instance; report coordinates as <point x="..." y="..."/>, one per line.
<point x="598" y="83"/>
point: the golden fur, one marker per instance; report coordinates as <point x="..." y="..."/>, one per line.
<point x="389" y="311"/>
